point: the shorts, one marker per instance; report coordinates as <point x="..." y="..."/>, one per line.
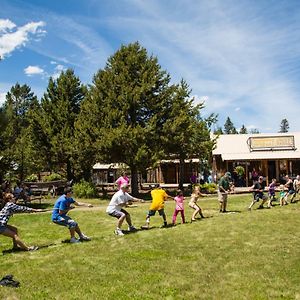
<point x="118" y="213"/>
<point x="68" y="222"/>
<point x="291" y="192"/>
<point x="259" y="197"/>
<point x="152" y="212"/>
<point x="2" y="228"/>
<point x="222" y="197"/>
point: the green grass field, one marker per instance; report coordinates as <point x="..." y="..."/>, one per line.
<point x="238" y="255"/>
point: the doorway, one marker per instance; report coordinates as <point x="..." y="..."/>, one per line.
<point x="271" y="170"/>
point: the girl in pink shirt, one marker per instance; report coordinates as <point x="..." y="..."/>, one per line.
<point x="179" y="199"/>
<point x="122" y="179"/>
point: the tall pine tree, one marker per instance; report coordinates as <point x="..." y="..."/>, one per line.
<point x="60" y="107"/>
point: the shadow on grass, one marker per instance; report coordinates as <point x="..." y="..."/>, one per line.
<point x="14" y="250"/>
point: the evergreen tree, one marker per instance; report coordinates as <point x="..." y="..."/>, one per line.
<point x="60" y="107"/>
<point x="126" y="109"/>
<point x="20" y="100"/>
<point x="254" y="131"/>
<point x="284" y="126"/>
<point x="243" y="130"/>
<point x="186" y="134"/>
<point x="218" y="130"/>
<point x="229" y="127"/>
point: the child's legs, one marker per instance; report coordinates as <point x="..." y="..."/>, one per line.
<point x="175" y="216"/>
<point x="196" y="210"/>
<point x="162" y="213"/>
<point x="15" y="230"/>
<point x="182" y="216"/>
<point x="14" y="236"/>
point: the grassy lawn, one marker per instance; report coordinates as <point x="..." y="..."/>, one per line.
<point x="238" y="255"/>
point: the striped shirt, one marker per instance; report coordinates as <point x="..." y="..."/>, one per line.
<point x="9" y="209"/>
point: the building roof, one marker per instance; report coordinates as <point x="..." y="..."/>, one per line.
<point x="241" y="146"/>
<point x="103" y="166"/>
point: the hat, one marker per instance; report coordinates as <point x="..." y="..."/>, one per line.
<point x="124" y="185"/>
<point x="228" y="174"/>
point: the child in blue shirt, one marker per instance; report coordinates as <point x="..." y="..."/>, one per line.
<point x="59" y="215"/>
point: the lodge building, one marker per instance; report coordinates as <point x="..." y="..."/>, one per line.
<point x="272" y="155"/>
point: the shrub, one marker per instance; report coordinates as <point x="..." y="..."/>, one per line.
<point x="209" y="188"/>
<point x="240" y="170"/>
<point x="84" y="189"/>
<point x="52" y="177"/>
<point x="32" y="178"/>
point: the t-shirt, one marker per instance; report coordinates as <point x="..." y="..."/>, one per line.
<point x="179" y="202"/>
<point x="272" y="188"/>
<point x="62" y="203"/>
<point x="258" y="186"/>
<point x="117" y="200"/>
<point x="122" y="180"/>
<point x="224" y="182"/>
<point x="158" y="199"/>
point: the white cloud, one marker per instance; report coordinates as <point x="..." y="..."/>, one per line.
<point x="237" y="109"/>
<point x="57" y="71"/>
<point x="6" y="25"/>
<point x="2" y="98"/>
<point x="13" y="37"/>
<point x="33" y="70"/>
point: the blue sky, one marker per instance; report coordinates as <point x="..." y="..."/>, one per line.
<point x="241" y="57"/>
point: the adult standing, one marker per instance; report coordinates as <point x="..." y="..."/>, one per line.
<point x="254" y="175"/>
<point x="115" y="208"/>
<point x="224" y="188"/>
<point x="59" y="215"/>
<point x="6" y="212"/>
<point x="123" y="179"/>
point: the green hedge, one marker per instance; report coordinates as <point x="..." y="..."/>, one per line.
<point x="209" y="188"/>
<point x="84" y="189"/>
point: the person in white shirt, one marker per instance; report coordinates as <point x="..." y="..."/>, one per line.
<point x="115" y="208"/>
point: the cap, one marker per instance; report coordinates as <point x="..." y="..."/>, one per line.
<point x="228" y="174"/>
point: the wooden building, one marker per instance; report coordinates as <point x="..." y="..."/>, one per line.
<point x="272" y="155"/>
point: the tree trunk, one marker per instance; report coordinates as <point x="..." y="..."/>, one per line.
<point x="134" y="181"/>
<point x="69" y="170"/>
<point x="181" y="171"/>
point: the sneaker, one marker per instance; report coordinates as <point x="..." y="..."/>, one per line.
<point x="33" y="248"/>
<point x="83" y="237"/>
<point x="73" y="240"/>
<point x="132" y="228"/>
<point x="260" y="207"/>
<point x="118" y="232"/>
<point x="145" y="227"/>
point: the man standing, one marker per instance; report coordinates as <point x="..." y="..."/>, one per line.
<point x="115" y="208"/>
<point x="223" y="190"/>
<point x="59" y="215"/>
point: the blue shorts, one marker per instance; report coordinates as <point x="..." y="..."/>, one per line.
<point x="65" y="221"/>
<point x="2" y="228"/>
<point x="152" y="212"/>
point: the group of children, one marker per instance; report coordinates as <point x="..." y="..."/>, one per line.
<point x="122" y="198"/>
<point x="287" y="192"/>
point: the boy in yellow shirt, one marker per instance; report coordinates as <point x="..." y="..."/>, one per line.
<point x="158" y="203"/>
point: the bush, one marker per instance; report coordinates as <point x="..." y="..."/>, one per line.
<point x="52" y="177"/>
<point x="209" y="188"/>
<point x="32" y="178"/>
<point x="84" y="189"/>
